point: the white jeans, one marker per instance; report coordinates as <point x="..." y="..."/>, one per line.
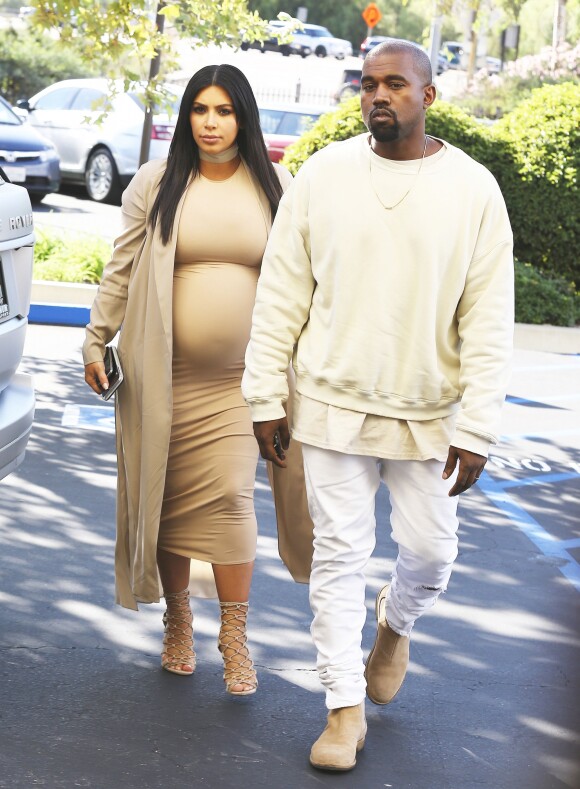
<point x="341" y="496"/>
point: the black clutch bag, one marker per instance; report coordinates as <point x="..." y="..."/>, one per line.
<point x="113" y="372"/>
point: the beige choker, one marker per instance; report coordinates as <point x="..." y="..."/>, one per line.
<point x="220" y="158"/>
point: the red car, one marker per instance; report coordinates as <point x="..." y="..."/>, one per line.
<point x="283" y="124"/>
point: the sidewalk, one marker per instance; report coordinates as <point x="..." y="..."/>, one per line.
<point x="491" y="699"/>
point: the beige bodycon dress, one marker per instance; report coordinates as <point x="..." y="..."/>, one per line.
<point x="208" y="505"/>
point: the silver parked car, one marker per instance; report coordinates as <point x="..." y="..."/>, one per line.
<point x="16" y="391"/>
<point x="105" y="156"/>
<point x="27" y="158"/>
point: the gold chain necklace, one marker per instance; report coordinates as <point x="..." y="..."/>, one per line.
<point x="390" y="207"/>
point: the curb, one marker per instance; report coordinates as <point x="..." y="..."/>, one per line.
<point x="61" y="303"/>
<point x="69" y="304"/>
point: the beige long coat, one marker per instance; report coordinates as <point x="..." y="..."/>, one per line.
<point x="136" y="292"/>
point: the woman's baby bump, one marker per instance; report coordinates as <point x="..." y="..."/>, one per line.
<point x="212" y="312"/>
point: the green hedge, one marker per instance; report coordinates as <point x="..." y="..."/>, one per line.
<point x="533" y="152"/>
<point x="543" y="299"/>
<point x="542" y="188"/>
<point x="31" y="62"/>
<point x="68" y="258"/>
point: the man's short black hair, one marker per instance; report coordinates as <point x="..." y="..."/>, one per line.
<point x="421" y="62"/>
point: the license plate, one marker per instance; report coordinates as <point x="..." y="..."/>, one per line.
<point x="16" y="174"/>
<point x="4" y="309"/>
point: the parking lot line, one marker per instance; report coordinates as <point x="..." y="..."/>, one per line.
<point x="543" y="540"/>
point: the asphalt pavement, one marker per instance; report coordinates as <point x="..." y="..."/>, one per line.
<point x="491" y="700"/>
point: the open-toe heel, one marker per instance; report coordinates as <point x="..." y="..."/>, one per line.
<point x="239" y="673"/>
<point x="178" y="655"/>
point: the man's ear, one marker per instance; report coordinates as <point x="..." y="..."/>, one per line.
<point x="429" y="95"/>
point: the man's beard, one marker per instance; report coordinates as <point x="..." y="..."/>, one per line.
<point x="385" y="133"/>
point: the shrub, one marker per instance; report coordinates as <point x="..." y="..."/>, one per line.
<point x="61" y="258"/>
<point x="543" y="299"/>
<point x="542" y="188"/>
<point x="31" y="62"/>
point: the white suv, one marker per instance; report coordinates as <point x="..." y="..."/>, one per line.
<point x="321" y="41"/>
<point x="16" y="391"/>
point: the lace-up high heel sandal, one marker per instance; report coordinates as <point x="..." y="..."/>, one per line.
<point x="239" y="673"/>
<point x="178" y="655"/>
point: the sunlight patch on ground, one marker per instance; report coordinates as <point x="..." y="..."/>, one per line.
<point x="113" y="628"/>
<point x="485" y="576"/>
<point x="32" y="492"/>
<point x="86" y="537"/>
<point x="550" y="729"/>
<point x="565" y="770"/>
<point x="307" y="680"/>
<point x="485" y="734"/>
<point x="467" y="662"/>
<point x="13" y="601"/>
<point x="17" y="536"/>
<point x="101" y="481"/>
<point x="510" y="623"/>
<point x="425" y="638"/>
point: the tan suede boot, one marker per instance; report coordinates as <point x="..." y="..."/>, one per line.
<point x="343" y="737"/>
<point x="388" y="659"/>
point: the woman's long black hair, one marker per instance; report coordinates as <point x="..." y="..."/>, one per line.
<point x="183" y="157"/>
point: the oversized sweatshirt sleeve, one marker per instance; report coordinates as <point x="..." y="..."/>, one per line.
<point x="108" y="309"/>
<point x="283" y="300"/>
<point x="486" y="323"/>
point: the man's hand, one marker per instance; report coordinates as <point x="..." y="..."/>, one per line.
<point x="273" y="438"/>
<point x="470" y="467"/>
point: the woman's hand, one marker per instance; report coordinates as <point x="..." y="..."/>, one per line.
<point x="95" y="377"/>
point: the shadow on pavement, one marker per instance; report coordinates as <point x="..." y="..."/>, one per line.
<point x="490" y="701"/>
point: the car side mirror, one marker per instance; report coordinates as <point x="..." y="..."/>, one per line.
<point x="24" y="104"/>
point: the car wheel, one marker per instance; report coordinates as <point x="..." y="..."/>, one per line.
<point x="101" y="177"/>
<point x="320" y="52"/>
<point x="244" y="46"/>
<point x="340" y="56"/>
<point x="285" y="51"/>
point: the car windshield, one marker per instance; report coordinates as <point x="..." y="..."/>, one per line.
<point x="175" y="103"/>
<point x="274" y="121"/>
<point x="296" y="123"/>
<point x="7" y="116"/>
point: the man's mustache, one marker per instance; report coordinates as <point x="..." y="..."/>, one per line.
<point x="384" y="111"/>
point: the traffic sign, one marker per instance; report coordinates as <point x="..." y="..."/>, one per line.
<point x="371" y="14"/>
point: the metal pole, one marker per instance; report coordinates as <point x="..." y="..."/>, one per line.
<point x="153" y="72"/>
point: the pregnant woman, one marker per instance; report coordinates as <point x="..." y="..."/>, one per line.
<point x="181" y="286"/>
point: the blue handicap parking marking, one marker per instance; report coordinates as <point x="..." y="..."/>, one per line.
<point x="512" y="480"/>
<point x="547" y="543"/>
<point x="89" y="417"/>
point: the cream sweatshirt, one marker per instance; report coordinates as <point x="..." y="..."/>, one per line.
<point x="406" y="313"/>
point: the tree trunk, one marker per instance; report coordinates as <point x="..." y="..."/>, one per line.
<point x="559" y="29"/>
<point x="149" y="110"/>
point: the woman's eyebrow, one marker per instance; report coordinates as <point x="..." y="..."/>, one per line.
<point x="219" y="106"/>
